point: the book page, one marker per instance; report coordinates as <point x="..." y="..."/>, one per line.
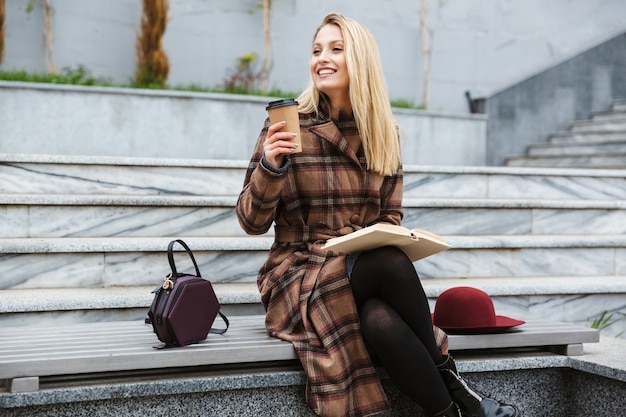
<point x="416" y="244"/>
<point x="384" y="228"/>
<point x="426" y="234"/>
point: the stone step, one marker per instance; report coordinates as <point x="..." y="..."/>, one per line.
<point x="614" y="115"/>
<point x="586" y="137"/>
<point x="599" y="126"/>
<point x="58" y="215"/>
<point x="602" y="161"/>
<point x="52" y="174"/>
<point x="480" y="217"/>
<point x="577" y="149"/>
<point x="45" y="174"/>
<point x="128" y="262"/>
<point x="74" y="305"/>
<point x="598" y="143"/>
<point x="576" y="299"/>
<point x="513" y="183"/>
<point x="619" y="105"/>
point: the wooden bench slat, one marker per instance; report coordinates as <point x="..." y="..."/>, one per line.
<point x="116" y="346"/>
<point x="139" y="350"/>
<point x="95" y="348"/>
<point x="530" y="334"/>
<point x="106" y="362"/>
<point x="238" y="323"/>
<point x="31" y="352"/>
<point x="540" y="335"/>
<point x="111" y="330"/>
<point x="82" y="350"/>
<point x="139" y="336"/>
<point x="116" y="338"/>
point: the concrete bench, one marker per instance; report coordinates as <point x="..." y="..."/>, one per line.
<point x="74" y="350"/>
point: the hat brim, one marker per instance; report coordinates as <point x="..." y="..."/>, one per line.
<point x="503" y="324"/>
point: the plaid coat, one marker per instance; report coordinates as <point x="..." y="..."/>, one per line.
<point x="325" y="191"/>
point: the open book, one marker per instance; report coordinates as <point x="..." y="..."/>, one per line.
<point x="416" y="243"/>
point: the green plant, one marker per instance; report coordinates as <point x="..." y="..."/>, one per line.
<point x="82" y="76"/>
<point x="606" y="320"/>
<point x="76" y="76"/>
<point x="152" y="61"/>
<point x="245" y="78"/>
<point x="406" y="104"/>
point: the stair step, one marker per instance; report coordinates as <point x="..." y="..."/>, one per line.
<point x="516" y="217"/>
<point x="619" y="105"/>
<point x="577" y="149"/>
<point x="576" y="299"/>
<point x="45" y="174"/>
<point x="39" y="300"/>
<point x="99" y="298"/>
<point x="63" y="174"/>
<point x="586" y="137"/>
<point x="607" y="161"/>
<point x="598" y="143"/>
<point x="513" y="182"/>
<point x="609" y="115"/>
<point x="44" y="215"/>
<point x="98" y="262"/>
<point x="599" y="126"/>
<point x="55" y="216"/>
<point x="72" y="305"/>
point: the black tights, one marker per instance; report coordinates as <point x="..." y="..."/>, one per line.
<point x="396" y="324"/>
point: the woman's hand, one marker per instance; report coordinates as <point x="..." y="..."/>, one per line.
<point x="277" y="145"/>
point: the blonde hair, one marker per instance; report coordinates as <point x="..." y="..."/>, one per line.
<point x="368" y="96"/>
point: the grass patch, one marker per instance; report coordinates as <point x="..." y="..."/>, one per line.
<point x="406" y="104"/>
<point x="82" y="76"/>
<point x="606" y="320"/>
<point x="67" y="76"/>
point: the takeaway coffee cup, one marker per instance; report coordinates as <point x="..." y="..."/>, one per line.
<point x="287" y="110"/>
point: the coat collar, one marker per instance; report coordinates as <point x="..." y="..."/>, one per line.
<point x="329" y="131"/>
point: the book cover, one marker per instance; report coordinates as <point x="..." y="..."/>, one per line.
<point x="416" y="243"/>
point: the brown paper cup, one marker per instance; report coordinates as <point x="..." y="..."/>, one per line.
<point x="287" y="110"/>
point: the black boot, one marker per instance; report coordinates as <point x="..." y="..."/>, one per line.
<point x="451" y="411"/>
<point x="471" y="402"/>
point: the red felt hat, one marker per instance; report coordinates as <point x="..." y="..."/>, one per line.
<point x="469" y="310"/>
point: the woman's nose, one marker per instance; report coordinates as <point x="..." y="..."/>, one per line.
<point x="323" y="56"/>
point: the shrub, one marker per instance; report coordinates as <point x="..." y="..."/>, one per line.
<point x="152" y="61"/>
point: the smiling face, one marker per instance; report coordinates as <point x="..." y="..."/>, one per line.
<point x="329" y="71"/>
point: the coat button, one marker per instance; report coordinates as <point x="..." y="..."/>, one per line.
<point x="355" y="219"/>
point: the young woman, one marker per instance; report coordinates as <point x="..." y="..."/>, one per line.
<point x="339" y="310"/>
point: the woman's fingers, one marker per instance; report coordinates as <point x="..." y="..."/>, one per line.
<point x="278" y="144"/>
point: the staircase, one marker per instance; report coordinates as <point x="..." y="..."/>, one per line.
<point x="83" y="238"/>
<point x="596" y="143"/>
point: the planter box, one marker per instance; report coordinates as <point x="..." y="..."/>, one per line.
<point x="76" y="120"/>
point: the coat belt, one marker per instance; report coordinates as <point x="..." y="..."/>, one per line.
<point x="307" y="233"/>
